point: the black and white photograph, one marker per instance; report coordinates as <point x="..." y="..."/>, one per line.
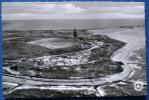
<point x="73" y="49"/>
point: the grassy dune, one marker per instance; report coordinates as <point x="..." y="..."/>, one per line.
<point x="19" y="48"/>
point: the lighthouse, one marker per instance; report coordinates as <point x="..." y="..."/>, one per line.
<point x="75" y="33"/>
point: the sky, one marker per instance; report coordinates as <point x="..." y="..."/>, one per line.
<point x="72" y="10"/>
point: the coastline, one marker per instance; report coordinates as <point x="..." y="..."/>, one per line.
<point x="130" y="67"/>
<point x="122" y="76"/>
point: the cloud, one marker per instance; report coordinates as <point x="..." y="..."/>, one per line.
<point x="120" y="16"/>
<point x="40" y="8"/>
<point x="64" y="8"/>
<point x="119" y="9"/>
<point x="29" y="11"/>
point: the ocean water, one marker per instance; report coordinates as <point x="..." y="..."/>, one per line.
<point x="68" y="24"/>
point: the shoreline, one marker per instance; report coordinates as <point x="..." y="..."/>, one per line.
<point x="124" y="75"/>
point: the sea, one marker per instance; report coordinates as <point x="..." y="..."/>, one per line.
<point x="68" y="24"/>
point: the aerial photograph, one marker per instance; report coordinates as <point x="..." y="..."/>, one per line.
<point x="73" y="49"/>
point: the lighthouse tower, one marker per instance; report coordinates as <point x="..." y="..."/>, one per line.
<point x="75" y="33"/>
